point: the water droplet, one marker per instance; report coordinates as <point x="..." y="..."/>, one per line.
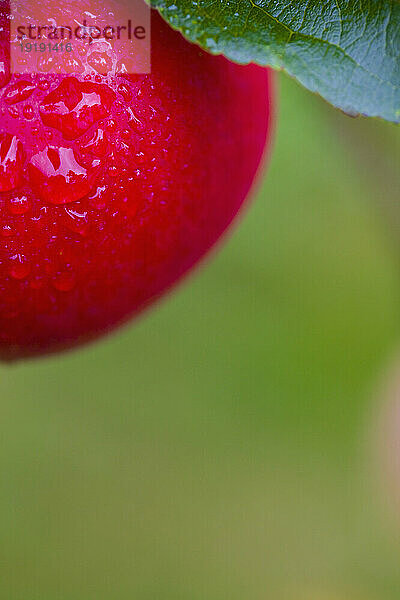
<point x="125" y="66"/>
<point x="64" y="282"/>
<point x="125" y="91"/>
<point x="11" y="162"/>
<point x="19" y="92"/>
<point x="43" y="84"/>
<point x="100" y="62"/>
<point x="13" y="112"/>
<point x="77" y="221"/>
<point x="134" y="122"/>
<point x="19" y="205"/>
<point x="28" y="112"/>
<point x="100" y="198"/>
<point x="123" y="149"/>
<point x="111" y="125"/>
<point x="48" y="63"/>
<point x="74" y="106"/>
<point x="5" y="74"/>
<point x="20" y="267"/>
<point x="58" y="177"/>
<point x="6" y="231"/>
<point x="126" y="134"/>
<point x="72" y="64"/>
<point x="97" y="144"/>
<point x="140" y="158"/>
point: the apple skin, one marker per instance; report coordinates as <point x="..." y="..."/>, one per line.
<point x="103" y="208"/>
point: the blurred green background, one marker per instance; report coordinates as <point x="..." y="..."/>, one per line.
<point x="220" y="447"/>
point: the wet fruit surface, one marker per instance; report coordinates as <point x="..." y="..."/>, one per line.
<point x="113" y="186"/>
<point x="11" y="162"/>
<point x="58" y="178"/>
<point x="74" y="106"/>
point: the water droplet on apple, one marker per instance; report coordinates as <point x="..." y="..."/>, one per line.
<point x="74" y="106"/>
<point x="100" y="62"/>
<point x="43" y="84"/>
<point x="28" y="112"/>
<point x="13" y="112"/>
<point x="5" y="75"/>
<point x="97" y="144"/>
<point x="77" y="221"/>
<point x="19" y="205"/>
<point x="18" y="92"/>
<point x="20" y="267"/>
<point x="6" y="231"/>
<point x="11" y="162"/>
<point x="133" y="121"/>
<point x="125" y="91"/>
<point x="72" y="64"/>
<point x="64" y="282"/>
<point x="58" y="177"/>
<point x="100" y="198"/>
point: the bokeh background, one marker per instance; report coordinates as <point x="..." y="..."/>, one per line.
<point x="232" y="443"/>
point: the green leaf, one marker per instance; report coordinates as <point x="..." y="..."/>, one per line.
<point x="348" y="51"/>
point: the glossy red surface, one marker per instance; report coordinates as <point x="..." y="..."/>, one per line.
<point x="112" y="187"/>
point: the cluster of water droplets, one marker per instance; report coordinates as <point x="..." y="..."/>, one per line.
<point x="85" y="161"/>
<point x="71" y="150"/>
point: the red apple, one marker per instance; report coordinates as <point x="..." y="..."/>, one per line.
<point x="112" y="187"/>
